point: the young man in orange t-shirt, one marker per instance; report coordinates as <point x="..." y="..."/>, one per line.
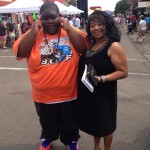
<point x="52" y="50"/>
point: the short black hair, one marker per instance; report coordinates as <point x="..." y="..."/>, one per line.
<point x="142" y="17"/>
<point x="49" y="5"/>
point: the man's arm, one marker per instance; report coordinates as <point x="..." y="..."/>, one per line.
<point x="26" y="44"/>
<point x="75" y="36"/>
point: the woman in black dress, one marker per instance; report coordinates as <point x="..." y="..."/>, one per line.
<point x="97" y="109"/>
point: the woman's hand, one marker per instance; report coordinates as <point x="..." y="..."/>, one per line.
<point x="98" y="78"/>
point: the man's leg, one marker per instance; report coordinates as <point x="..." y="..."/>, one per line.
<point x="69" y="131"/>
<point x="49" y="120"/>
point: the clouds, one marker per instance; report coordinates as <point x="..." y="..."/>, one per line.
<point x="105" y="4"/>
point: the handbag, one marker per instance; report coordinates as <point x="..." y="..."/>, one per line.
<point x="91" y="75"/>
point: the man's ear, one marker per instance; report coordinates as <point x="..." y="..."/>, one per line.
<point x="39" y="17"/>
<point x="61" y="21"/>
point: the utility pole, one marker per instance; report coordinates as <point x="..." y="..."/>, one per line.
<point x="83" y="5"/>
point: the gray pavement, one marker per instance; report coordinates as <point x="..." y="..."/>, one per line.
<point x="19" y="126"/>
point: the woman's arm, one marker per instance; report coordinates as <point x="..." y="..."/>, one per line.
<point x="119" y="60"/>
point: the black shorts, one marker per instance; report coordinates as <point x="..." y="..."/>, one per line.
<point x="58" y="121"/>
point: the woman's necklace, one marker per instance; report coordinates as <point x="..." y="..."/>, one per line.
<point x="90" y="52"/>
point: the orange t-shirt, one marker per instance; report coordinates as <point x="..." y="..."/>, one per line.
<point x="52" y="70"/>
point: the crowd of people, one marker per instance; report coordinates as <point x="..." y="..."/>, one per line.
<point x="132" y="20"/>
<point x="9" y="32"/>
<point x="140" y="24"/>
<point x="76" y="21"/>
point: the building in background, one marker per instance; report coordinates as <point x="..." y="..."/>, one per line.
<point x="144" y="6"/>
<point x="132" y="7"/>
<point x="138" y="7"/>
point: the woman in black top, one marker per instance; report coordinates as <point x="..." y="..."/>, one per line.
<point x="3" y="35"/>
<point x="97" y="109"/>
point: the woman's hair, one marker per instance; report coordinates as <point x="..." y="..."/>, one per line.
<point x="10" y="27"/>
<point x="112" y="32"/>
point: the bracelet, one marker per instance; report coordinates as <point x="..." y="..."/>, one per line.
<point x="103" y="79"/>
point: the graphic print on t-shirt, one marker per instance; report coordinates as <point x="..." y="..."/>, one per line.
<point x="52" y="53"/>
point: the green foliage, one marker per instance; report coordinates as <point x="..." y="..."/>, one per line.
<point x="73" y="2"/>
<point x="121" y="7"/>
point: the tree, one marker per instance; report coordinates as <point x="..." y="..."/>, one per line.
<point x="73" y="2"/>
<point x="121" y="7"/>
<point x="70" y="2"/>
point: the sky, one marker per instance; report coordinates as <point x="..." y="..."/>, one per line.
<point x="105" y="4"/>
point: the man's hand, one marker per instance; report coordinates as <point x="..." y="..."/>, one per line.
<point x="64" y="24"/>
<point x="36" y="26"/>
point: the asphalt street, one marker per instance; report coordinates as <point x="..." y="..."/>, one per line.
<point x="19" y="126"/>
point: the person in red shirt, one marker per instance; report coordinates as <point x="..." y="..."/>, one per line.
<point x="52" y="49"/>
<point x="132" y="17"/>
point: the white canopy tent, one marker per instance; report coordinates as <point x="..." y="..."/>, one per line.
<point x="22" y="6"/>
<point x="27" y="6"/>
<point x="61" y="6"/>
<point x="72" y="10"/>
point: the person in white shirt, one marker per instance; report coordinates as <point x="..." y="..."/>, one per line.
<point x="141" y="30"/>
<point x="77" y="22"/>
<point x="70" y="21"/>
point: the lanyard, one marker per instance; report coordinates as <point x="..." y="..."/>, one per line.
<point x="58" y="38"/>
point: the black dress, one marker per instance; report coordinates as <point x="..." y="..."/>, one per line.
<point x="97" y="110"/>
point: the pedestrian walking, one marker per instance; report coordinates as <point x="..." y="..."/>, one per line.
<point x="3" y="34"/>
<point x="11" y="33"/>
<point x="141" y="30"/>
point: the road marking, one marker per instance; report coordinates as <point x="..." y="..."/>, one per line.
<point x="137" y="59"/>
<point x="5" y="50"/>
<point x="130" y="73"/>
<point x="9" y="68"/>
<point x="7" y="56"/>
<point x="141" y="74"/>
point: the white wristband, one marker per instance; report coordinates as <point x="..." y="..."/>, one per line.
<point x="103" y="79"/>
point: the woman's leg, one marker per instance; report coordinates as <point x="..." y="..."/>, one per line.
<point x="12" y="41"/>
<point x="96" y="143"/>
<point x="143" y="36"/>
<point x="108" y="141"/>
<point x="139" y="35"/>
<point x="4" y="43"/>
